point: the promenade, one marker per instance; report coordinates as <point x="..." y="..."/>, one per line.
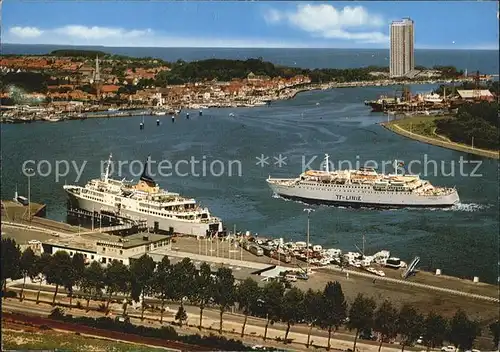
<point x="394" y="127"/>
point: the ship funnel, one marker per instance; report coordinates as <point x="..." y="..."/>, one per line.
<point x="145" y="176"/>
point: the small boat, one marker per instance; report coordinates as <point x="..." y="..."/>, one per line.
<point x="52" y="119"/>
<point x="231" y="115"/>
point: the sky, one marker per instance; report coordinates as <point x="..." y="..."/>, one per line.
<point x="438" y="25"/>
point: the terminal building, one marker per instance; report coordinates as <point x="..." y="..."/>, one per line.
<point x="105" y="248"/>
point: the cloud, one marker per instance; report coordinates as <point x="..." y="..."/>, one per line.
<point x="76" y="34"/>
<point x="272" y="16"/>
<point x="96" y="32"/>
<point x="25" y="32"/>
<point x="326" y="21"/>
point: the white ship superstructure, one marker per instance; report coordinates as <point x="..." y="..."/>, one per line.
<point x="363" y="187"/>
<point x="144" y="201"/>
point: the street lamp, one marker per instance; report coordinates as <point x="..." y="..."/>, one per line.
<point x="309" y="210"/>
<point x="27" y="172"/>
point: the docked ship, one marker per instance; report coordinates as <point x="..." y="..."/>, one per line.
<point x="143" y="202"/>
<point x="381" y="104"/>
<point x="363" y="187"/>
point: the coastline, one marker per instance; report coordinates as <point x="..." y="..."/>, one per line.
<point x="286" y="93"/>
<point x="394" y="127"/>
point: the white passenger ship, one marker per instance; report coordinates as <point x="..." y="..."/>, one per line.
<point x="144" y="201"/>
<point x="363" y="187"/>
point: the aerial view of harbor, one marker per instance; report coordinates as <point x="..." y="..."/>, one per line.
<point x="324" y="177"/>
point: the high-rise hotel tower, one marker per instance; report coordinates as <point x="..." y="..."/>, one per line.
<point x="402" y="50"/>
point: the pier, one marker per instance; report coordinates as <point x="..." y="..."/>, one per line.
<point x="125" y="113"/>
<point x="16" y="211"/>
<point x="113" y="223"/>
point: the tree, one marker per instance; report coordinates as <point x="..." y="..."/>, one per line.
<point x="435" y="328"/>
<point x="247" y="294"/>
<point x="410" y="325"/>
<point x="76" y="274"/>
<point x="11" y="257"/>
<point x="141" y="271"/>
<point x="292" y="310"/>
<point x="204" y="288"/>
<point x="92" y="282"/>
<point x="41" y="266"/>
<point x="116" y="279"/>
<point x="272" y="301"/>
<point x="163" y="284"/>
<point x="385" y="322"/>
<point x="27" y="267"/>
<point x="495" y="332"/>
<point x="183" y="276"/>
<point x="361" y="315"/>
<point x="463" y="331"/>
<point x="333" y="308"/>
<point x="312" y="310"/>
<point x="58" y="271"/>
<point x="224" y="291"/>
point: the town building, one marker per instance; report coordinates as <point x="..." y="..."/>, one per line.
<point x="475" y="94"/>
<point x="402" y="56"/>
<point x="105" y="248"/>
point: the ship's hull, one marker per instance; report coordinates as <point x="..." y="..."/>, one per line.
<point x="164" y="224"/>
<point x="342" y="195"/>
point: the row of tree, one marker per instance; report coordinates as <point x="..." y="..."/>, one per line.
<point x="226" y="70"/>
<point x="473" y="124"/>
<point x="182" y="282"/>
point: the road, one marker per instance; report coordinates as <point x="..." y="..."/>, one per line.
<point x="342" y="339"/>
<point x="441" y="143"/>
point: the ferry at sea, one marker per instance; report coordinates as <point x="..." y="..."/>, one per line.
<point x="143" y="202"/>
<point x="363" y="187"/>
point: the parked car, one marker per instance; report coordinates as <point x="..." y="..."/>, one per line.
<point x="448" y="349"/>
<point x="302" y="276"/>
<point x="123" y="319"/>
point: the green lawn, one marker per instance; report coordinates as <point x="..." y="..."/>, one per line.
<point x="51" y="340"/>
<point x="422" y="125"/>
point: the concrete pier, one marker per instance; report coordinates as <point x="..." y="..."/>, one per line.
<point x="16" y="211"/>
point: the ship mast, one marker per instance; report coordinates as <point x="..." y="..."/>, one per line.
<point x="327" y="166"/>
<point x="106" y="175"/>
